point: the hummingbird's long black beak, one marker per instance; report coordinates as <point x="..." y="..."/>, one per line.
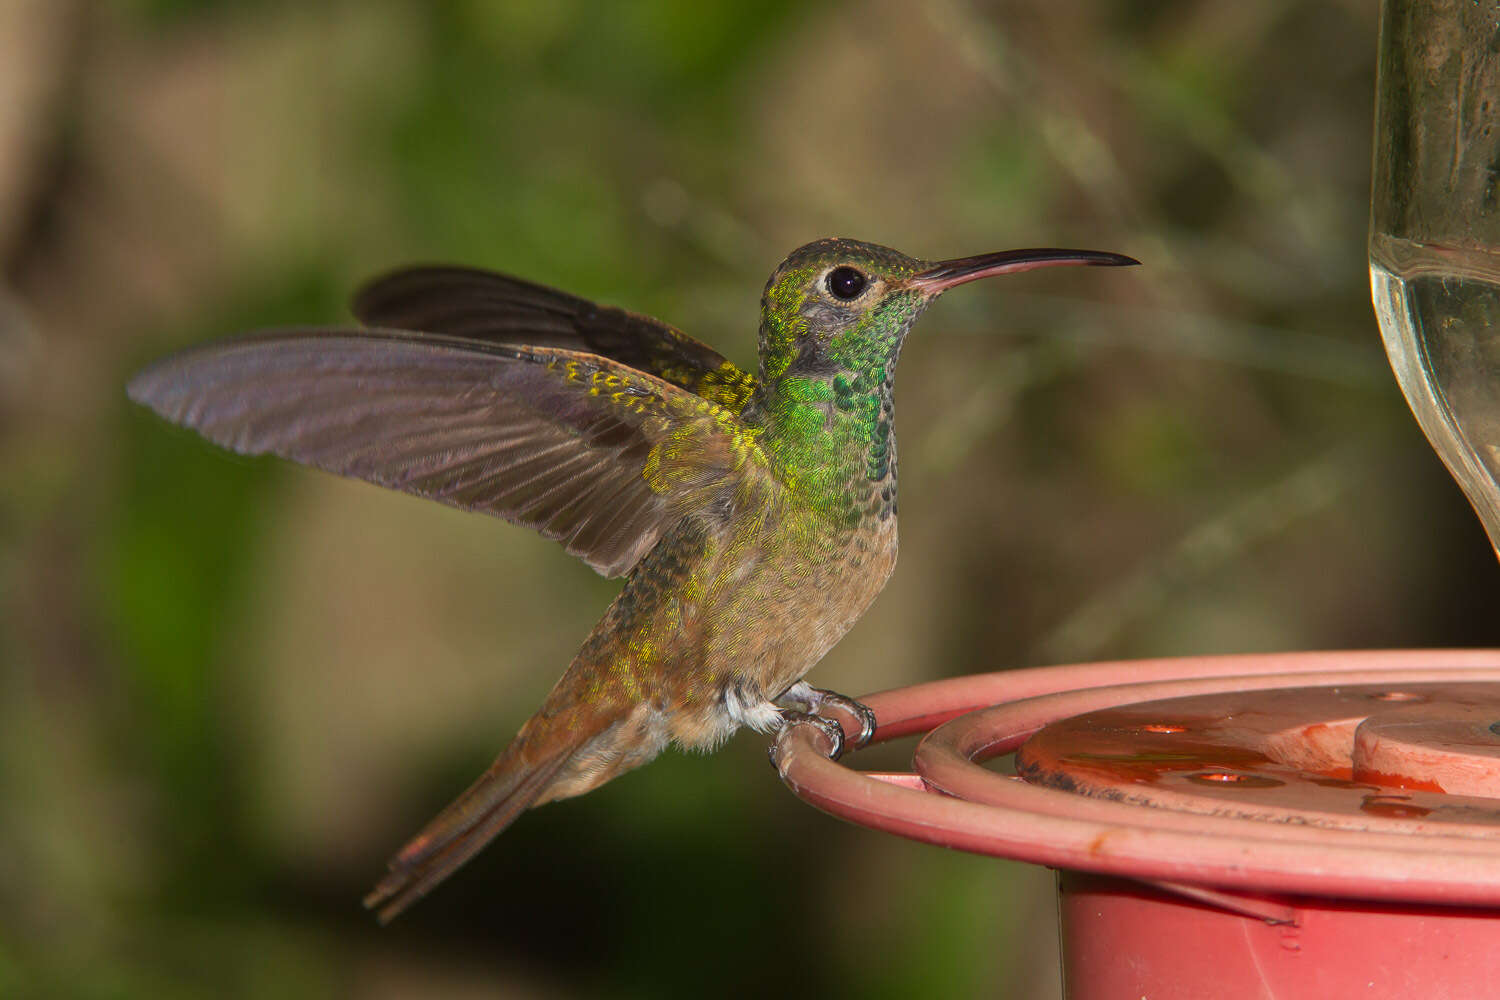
<point x="945" y="274"/>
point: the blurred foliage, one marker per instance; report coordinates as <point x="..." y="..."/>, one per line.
<point x="230" y="689"/>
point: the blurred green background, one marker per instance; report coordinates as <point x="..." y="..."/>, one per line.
<point x="229" y="689"/>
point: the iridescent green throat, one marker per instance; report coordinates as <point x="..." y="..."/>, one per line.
<point x="825" y="409"/>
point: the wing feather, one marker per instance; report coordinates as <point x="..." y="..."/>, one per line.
<point x="481" y="305"/>
<point x="554" y="439"/>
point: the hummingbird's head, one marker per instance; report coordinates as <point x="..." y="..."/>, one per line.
<point x="845" y="306"/>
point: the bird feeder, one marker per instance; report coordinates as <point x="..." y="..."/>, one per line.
<point x="1311" y="825"/>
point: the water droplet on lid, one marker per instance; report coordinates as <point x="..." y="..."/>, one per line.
<point x="1237" y="778"/>
<point x="1393" y="807"/>
<point x="1398" y="696"/>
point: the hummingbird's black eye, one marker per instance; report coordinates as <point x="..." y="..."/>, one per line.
<point x="845" y="283"/>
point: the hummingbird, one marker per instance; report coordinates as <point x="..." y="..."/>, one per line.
<point x="753" y="516"/>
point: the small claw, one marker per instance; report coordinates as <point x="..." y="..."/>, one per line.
<point x="866" y="716"/>
<point x="831" y="729"/>
<point x="864" y="713"/>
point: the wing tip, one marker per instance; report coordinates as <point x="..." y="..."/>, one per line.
<point x="138" y="390"/>
<point x="152" y="388"/>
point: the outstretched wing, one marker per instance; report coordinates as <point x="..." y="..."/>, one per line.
<point x="483" y="305"/>
<point x="583" y="449"/>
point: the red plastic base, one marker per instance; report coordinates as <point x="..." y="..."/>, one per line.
<point x="1123" y="938"/>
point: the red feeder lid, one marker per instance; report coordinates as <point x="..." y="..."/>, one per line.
<point x="1365" y="775"/>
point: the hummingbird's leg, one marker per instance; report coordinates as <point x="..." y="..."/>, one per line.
<point x="813" y="699"/>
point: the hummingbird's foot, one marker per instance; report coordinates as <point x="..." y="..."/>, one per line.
<point x="813" y="699"/>
<point x="791" y="717"/>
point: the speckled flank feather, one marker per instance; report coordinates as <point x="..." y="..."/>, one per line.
<point x="754" y="517"/>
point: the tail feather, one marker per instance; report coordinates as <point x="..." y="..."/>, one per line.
<point x="459" y="832"/>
